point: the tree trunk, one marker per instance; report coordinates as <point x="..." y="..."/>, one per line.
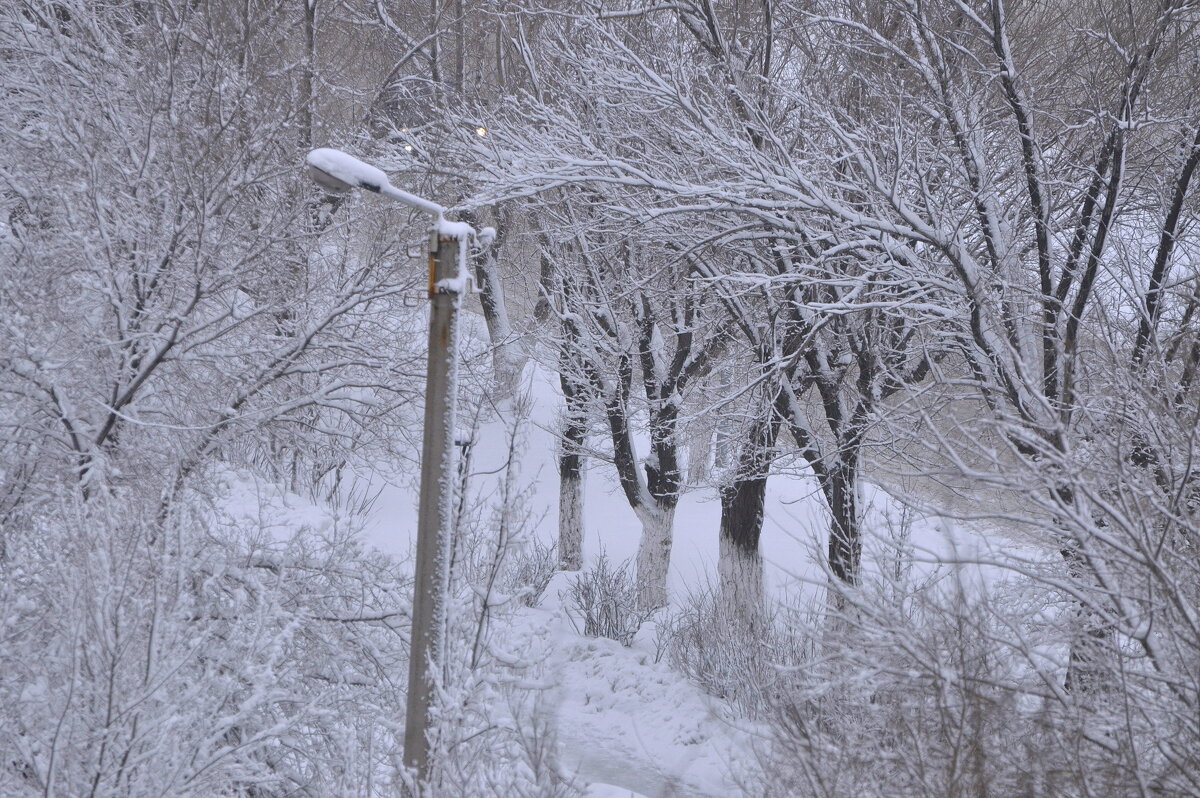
<point x="724" y="444"/>
<point x="1092" y="638"/>
<point x="740" y="566"/>
<point x="654" y="555"/>
<point x="1087" y="663"/>
<point x="570" y="480"/>
<point x="700" y="452"/>
<point x="845" y="533"/>
<point x="570" y="457"/>
<point x="308" y="76"/>
<point x="570" y="513"/>
<point x="508" y="356"/>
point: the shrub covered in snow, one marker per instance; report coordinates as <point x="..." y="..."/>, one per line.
<point x="529" y="572"/>
<point x="605" y="598"/>
<point x="707" y="641"/>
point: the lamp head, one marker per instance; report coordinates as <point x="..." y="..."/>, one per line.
<point x="338" y="172"/>
<point x="327" y="181"/>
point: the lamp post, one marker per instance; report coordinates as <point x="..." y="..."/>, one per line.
<point x="336" y="171"/>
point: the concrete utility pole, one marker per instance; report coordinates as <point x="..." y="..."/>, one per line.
<point x="432" y="576"/>
<point x="337" y="171"/>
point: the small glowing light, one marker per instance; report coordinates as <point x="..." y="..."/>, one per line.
<point x="408" y="148"/>
<point x="481" y="130"/>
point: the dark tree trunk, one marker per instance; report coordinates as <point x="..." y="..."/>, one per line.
<point x="740" y="563"/>
<point x="845" y="535"/>
<point x="1092" y="637"/>
<point x="570" y="476"/>
<point x="1087" y="671"/>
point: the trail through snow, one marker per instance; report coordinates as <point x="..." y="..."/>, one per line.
<point x="622" y="719"/>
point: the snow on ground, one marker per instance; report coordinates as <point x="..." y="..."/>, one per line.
<point x="258" y="504"/>
<point x="625" y="721"/>
<point x="609" y="791"/>
<point x="629" y="722"/>
<point x="624" y="724"/>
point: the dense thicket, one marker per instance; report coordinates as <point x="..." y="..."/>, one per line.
<point x="169" y="328"/>
<point x="953" y="244"/>
<point x="946" y="247"/>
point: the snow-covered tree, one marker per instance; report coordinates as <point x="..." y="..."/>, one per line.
<point x="632" y="318"/>
<point x="683" y="120"/>
<point x="170" y="322"/>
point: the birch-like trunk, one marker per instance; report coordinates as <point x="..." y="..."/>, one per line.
<point x="508" y="356"/>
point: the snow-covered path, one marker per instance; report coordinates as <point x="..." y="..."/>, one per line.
<point x="652" y="746"/>
<point x="621" y="719"/>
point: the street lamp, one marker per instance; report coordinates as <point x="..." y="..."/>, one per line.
<point x="336" y="171"/>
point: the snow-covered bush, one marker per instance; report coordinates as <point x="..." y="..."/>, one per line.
<point x="708" y="641"/>
<point x="529" y="571"/>
<point x="203" y="657"/>
<point x="605" y="598"/>
<point x="956" y="692"/>
<point x="491" y="736"/>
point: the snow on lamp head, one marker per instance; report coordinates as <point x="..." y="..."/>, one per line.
<point x="338" y="172"/>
